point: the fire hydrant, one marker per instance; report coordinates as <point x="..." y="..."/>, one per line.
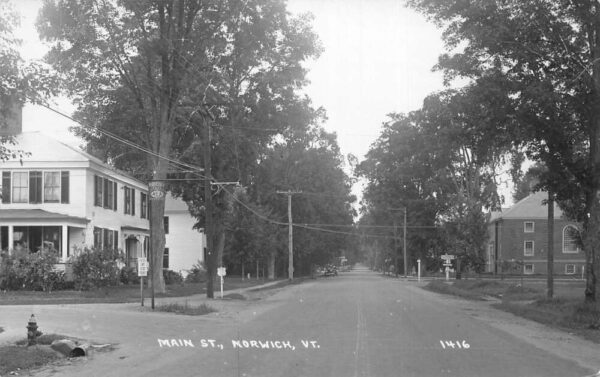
<point x="32" y="331"/>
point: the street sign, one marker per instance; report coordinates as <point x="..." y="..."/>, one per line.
<point x="156" y="190"/>
<point x="143" y="266"/>
<point x="447" y="258"/>
<point x="221" y="271"/>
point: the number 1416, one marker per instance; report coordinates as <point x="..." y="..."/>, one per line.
<point x="458" y="344"/>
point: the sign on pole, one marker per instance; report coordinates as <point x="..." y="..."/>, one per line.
<point x="142" y="271"/>
<point x="143" y="266"/>
<point x="156" y="190"/>
<point x="221" y="272"/>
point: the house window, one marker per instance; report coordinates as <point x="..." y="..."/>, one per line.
<point x="528" y="227"/>
<point x="166" y="258"/>
<point x="569" y="269"/>
<point x="570" y="244"/>
<point x="20" y="193"/>
<point x="143" y="205"/>
<point x="51" y="187"/>
<point x="97" y="237"/>
<point x="528" y="269"/>
<point x="166" y="221"/>
<point x="528" y="248"/>
<point x="105" y="193"/>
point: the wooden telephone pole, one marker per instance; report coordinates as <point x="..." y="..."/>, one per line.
<point x="289" y="193"/>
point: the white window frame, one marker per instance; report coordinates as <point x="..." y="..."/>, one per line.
<point x="20" y="188"/>
<point x="567" y="270"/>
<point x="525" y="230"/>
<point x="525" y="272"/>
<point x="577" y="250"/>
<point x="57" y="172"/>
<point x="532" y="248"/>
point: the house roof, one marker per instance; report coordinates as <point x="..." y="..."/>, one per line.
<point x="531" y="207"/>
<point x="42" y="148"/>
<point x="38" y="215"/>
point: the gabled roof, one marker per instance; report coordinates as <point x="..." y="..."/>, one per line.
<point x="531" y="207"/>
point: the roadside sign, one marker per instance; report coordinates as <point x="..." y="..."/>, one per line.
<point x="447" y="258"/>
<point x="156" y="190"/>
<point x="143" y="266"/>
<point x="221" y="271"/>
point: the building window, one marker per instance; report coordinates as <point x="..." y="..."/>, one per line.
<point x="570" y="237"/>
<point x="570" y="269"/>
<point x="51" y="187"/>
<point x="528" y="248"/>
<point x="528" y="227"/>
<point x="20" y="193"/>
<point x="166" y="221"/>
<point x="143" y="205"/>
<point x="528" y="269"/>
<point x="97" y="237"/>
<point x="105" y="193"/>
<point x="166" y="258"/>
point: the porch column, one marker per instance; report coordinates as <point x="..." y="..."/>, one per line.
<point x="11" y="239"/>
<point x="65" y="243"/>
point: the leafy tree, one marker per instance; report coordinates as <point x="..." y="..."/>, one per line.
<point x="153" y="72"/>
<point x="310" y="162"/>
<point x="545" y="53"/>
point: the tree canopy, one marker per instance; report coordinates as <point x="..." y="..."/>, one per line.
<point x="546" y="56"/>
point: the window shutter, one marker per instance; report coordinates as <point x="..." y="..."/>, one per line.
<point x="35" y="187"/>
<point x="64" y="187"/>
<point x="115" y="196"/>
<point x="133" y="201"/>
<point x="5" y="187"/>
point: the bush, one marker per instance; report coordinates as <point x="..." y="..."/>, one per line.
<point x="172" y="277"/>
<point x="128" y="275"/>
<point x="23" y="269"/>
<point x="95" y="268"/>
<point x="197" y="274"/>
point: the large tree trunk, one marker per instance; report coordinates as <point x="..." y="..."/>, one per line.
<point x="157" y="242"/>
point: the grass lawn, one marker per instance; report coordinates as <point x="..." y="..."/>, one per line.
<point x="118" y="294"/>
<point x="566" y="310"/>
<point x="18" y="357"/>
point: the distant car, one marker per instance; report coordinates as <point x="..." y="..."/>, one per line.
<point x="330" y="270"/>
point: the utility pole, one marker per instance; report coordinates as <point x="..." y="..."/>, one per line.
<point x="550" y="282"/>
<point x="289" y="193"/>
<point x="403" y="240"/>
<point x="208" y="208"/>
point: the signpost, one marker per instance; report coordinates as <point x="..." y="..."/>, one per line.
<point x="418" y="270"/>
<point x="142" y="272"/>
<point x="221" y="272"/>
<point x="448" y="263"/>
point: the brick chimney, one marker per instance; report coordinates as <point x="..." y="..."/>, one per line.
<point x="11" y="117"/>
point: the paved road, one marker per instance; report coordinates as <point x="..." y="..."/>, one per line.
<point x="356" y="324"/>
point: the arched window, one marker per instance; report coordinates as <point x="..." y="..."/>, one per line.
<point x="570" y="236"/>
